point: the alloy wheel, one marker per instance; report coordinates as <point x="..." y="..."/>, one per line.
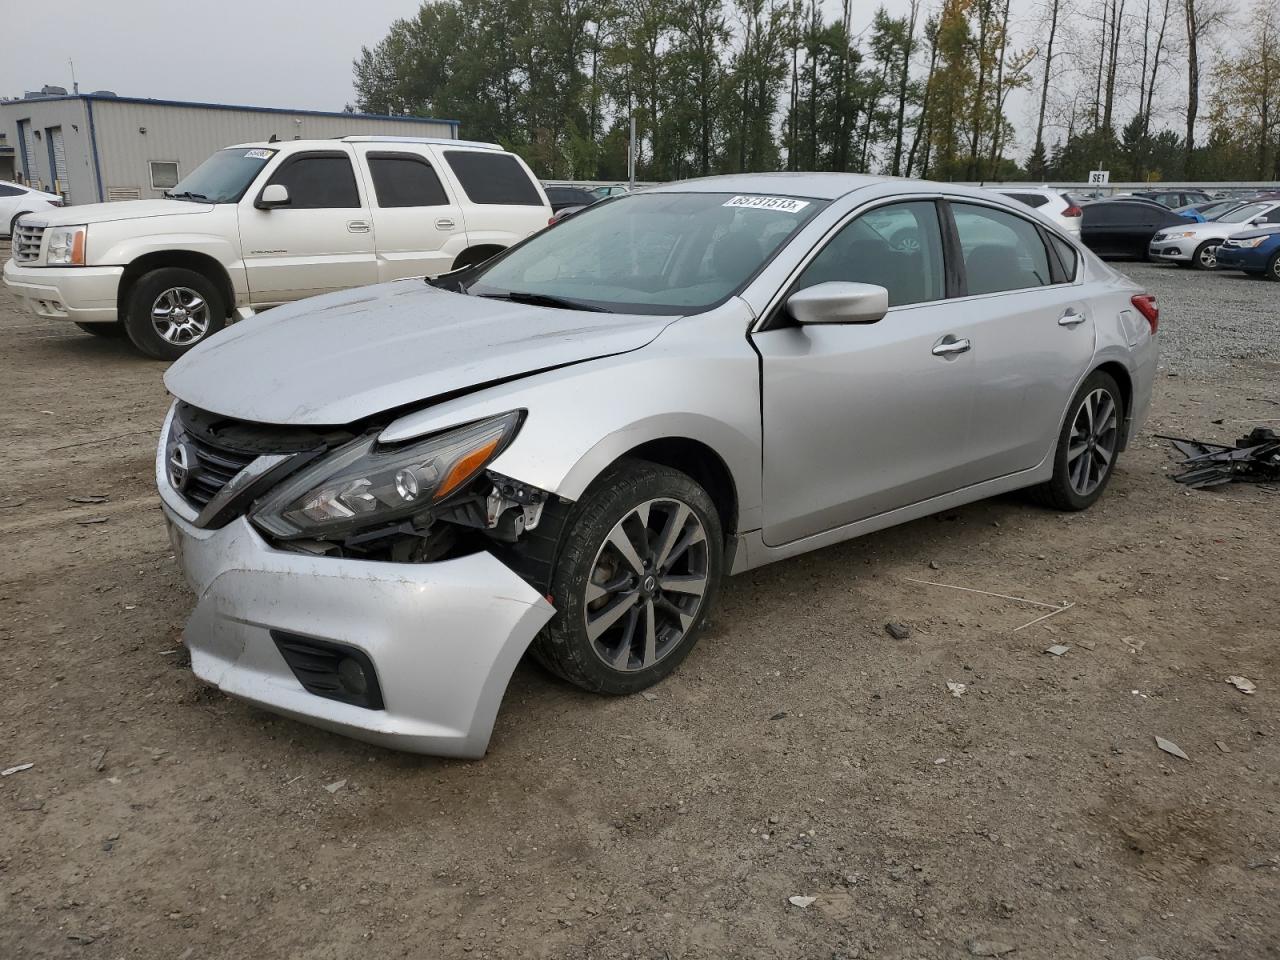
<point x="1208" y="257"/>
<point x="646" y="585"/>
<point x="1095" y="435"/>
<point x="180" y="316"/>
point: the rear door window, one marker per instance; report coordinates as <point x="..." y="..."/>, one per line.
<point x="405" y="180"/>
<point x="489" y="177"/>
<point x="319" y="181"/>
<point x="1001" y="251"/>
<point x="1067" y="256"/>
<point x="1030" y="199"/>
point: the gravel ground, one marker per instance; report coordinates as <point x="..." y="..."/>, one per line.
<point x="1210" y="320"/>
<point x="798" y="752"/>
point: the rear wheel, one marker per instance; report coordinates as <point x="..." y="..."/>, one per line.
<point x="171" y="310"/>
<point x="1206" y="255"/>
<point x="1087" y="446"/>
<point x="635" y="580"/>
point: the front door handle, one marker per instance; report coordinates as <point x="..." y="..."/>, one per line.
<point x="444" y="223"/>
<point x="358" y="226"/>
<point x="1071" y="319"/>
<point x="949" y="346"/>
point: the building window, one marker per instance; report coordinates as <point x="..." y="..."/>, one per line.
<point x="164" y="174"/>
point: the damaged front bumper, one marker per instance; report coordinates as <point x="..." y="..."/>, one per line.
<point x="442" y="638"/>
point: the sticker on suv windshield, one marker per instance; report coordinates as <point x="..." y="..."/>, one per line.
<point x="258" y="154"/>
<point x="783" y="204"/>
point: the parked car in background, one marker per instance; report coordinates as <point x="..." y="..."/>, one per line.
<point x="1200" y="212"/>
<point x="1053" y="204"/>
<point x="16" y="200"/>
<point x="1256" y="252"/>
<point x="561" y="198"/>
<point x="1174" y="198"/>
<point x="610" y="190"/>
<point x="569" y="445"/>
<point x="1124" y="227"/>
<point x="1196" y="244"/>
<point x="261" y="224"/>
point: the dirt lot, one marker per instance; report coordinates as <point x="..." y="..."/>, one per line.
<point x="800" y="751"/>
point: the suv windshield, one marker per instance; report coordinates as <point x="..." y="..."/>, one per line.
<point x="224" y="177"/>
<point x="657" y="253"/>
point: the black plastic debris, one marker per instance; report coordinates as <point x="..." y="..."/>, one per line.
<point x="1255" y="458"/>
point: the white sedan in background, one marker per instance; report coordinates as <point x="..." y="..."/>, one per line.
<point x="1055" y="205"/>
<point x="1196" y="244"/>
<point x="15" y="200"/>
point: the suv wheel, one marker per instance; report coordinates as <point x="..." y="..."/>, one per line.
<point x="1087" y="447"/>
<point x="1206" y="255"/>
<point x="635" y="580"/>
<point x="171" y="310"/>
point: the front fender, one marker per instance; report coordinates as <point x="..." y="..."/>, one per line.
<point x="699" y="380"/>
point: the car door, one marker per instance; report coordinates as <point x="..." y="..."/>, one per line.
<point x="1033" y="328"/>
<point x="418" y="226"/>
<point x="859" y="419"/>
<point x="320" y="241"/>
<point x="503" y="203"/>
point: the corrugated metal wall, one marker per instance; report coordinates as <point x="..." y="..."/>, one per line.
<point x="131" y="134"/>
<point x="188" y="135"/>
<point x="43" y="116"/>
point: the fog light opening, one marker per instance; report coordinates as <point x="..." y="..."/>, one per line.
<point x="352" y="677"/>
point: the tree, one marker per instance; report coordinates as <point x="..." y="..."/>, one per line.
<point x="1202" y="18"/>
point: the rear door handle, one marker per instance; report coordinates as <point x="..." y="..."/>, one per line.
<point x="1071" y="319"/>
<point x="949" y="346"/>
<point x="358" y="226"/>
<point x="444" y="223"/>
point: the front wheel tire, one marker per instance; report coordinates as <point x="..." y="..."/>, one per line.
<point x="1087" y="447"/>
<point x="171" y="310"/>
<point x="1206" y="255"/>
<point x="635" y="580"/>
<point x="1273" y="268"/>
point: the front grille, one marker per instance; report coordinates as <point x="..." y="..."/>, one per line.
<point x="214" y="469"/>
<point x="26" y="241"/>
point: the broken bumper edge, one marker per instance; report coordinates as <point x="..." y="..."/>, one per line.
<point x="443" y="637"/>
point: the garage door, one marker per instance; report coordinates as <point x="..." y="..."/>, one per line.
<point x="30" y="164"/>
<point x="58" y="160"/>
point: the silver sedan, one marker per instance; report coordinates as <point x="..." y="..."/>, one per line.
<point x="383" y="498"/>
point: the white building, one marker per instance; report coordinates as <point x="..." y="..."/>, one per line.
<point x="98" y="146"/>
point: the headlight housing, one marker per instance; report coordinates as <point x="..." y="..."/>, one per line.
<point x="1250" y="242"/>
<point x="1180" y="236"/>
<point x="360" y="485"/>
<point x="65" y="245"/>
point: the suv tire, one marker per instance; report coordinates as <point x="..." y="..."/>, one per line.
<point x="172" y="309"/>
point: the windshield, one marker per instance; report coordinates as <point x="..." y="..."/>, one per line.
<point x="224" y="177"/>
<point x="658" y="253"/>
<point x="1247" y="212"/>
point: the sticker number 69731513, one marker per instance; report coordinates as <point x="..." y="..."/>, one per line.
<point x="781" y="204"/>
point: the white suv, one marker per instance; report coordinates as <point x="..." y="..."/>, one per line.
<point x="261" y="224"/>
<point x="1057" y="206"/>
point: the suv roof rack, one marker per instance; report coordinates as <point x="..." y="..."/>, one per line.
<point x="444" y="141"/>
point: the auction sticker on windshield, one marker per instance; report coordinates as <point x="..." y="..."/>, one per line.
<point x="784" y="204"/>
<point x="259" y="154"/>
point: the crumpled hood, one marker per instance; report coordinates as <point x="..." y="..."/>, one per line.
<point x="122" y="210"/>
<point x="345" y="356"/>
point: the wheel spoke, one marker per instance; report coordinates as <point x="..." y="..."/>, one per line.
<point x="685" y="619"/>
<point x="692" y="536"/>
<point x="1106" y="416"/>
<point x="622" y="656"/>
<point x="1075" y="450"/>
<point x="694" y="584"/>
<point x="621" y="542"/>
<point x="1103" y="454"/>
<point x="650" y="635"/>
<point x="674" y="526"/>
<point x="610" y="615"/>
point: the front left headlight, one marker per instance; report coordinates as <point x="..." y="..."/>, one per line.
<point x="1180" y="236"/>
<point x="360" y="485"/>
<point x="1250" y="242"/>
<point x="65" y="246"/>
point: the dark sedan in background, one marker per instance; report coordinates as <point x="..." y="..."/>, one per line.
<point x="1124" y="228"/>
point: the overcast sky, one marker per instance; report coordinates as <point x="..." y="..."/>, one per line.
<point x="256" y="52"/>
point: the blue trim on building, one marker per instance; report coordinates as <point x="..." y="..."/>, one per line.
<point x="93" y="147"/>
<point x="90" y="97"/>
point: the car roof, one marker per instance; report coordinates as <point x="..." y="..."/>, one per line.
<point x="313" y="144"/>
<point x="819" y="186"/>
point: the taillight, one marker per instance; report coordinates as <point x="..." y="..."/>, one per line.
<point x="55" y="203"/>
<point x="1147" y="306"/>
<point x="551" y="222"/>
<point x="1073" y="211"/>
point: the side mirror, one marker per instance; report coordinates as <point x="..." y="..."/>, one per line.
<point x="272" y="195"/>
<point x="839" y="302"/>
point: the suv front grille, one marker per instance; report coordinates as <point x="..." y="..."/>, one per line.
<point x="26" y="241"/>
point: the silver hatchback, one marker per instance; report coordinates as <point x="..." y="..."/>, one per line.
<point x="383" y="498"/>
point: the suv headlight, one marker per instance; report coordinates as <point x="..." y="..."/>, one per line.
<point x="66" y="246"/>
<point x="360" y="485"/>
